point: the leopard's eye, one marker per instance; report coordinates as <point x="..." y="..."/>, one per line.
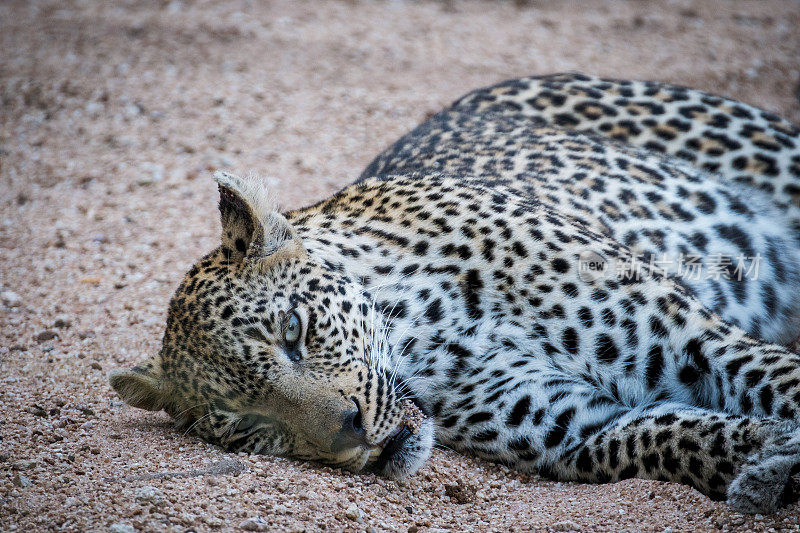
<point x="293" y="329"/>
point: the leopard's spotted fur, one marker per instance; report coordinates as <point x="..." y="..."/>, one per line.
<point x="449" y="275"/>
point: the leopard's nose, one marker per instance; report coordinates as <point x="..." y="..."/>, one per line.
<point x="352" y="433"/>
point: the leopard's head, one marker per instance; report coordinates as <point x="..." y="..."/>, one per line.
<point x="267" y="350"/>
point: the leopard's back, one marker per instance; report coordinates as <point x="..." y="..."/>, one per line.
<point x="702" y="186"/>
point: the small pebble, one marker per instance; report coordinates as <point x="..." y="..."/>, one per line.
<point x="154" y="173"/>
<point x="213" y="521"/>
<point x="10" y="298"/>
<point x="149" y="494"/>
<point x="119" y="527"/>
<point x="62" y="322"/>
<point x="175" y="6"/>
<point x="21" y="481"/>
<point x="37" y="411"/>
<point x="460" y="493"/>
<point x="46" y="335"/>
<point x="353" y="512"/>
<point x="255" y="523"/>
<point x="566" y="525"/>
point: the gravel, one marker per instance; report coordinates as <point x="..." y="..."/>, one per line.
<point x="113" y="115"/>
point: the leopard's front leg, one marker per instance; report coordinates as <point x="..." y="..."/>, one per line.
<point x="748" y="462"/>
<point x="751" y="377"/>
<point x="567" y="425"/>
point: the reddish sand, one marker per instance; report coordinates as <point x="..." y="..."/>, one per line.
<point x="114" y="115"/>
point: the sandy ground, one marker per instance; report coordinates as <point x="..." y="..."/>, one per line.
<point x="112" y="120"/>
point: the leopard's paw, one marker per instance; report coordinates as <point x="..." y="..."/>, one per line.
<point x="765" y="482"/>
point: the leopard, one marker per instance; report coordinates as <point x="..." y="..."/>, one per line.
<point x="474" y="289"/>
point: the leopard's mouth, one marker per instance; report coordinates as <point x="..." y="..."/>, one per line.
<point x="392" y="437"/>
<point x="389" y="447"/>
<point x="407" y="447"/>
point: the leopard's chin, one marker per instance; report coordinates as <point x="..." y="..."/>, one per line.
<point x="404" y="453"/>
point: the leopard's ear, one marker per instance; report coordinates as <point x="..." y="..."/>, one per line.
<point x="141" y="386"/>
<point x="252" y="227"/>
